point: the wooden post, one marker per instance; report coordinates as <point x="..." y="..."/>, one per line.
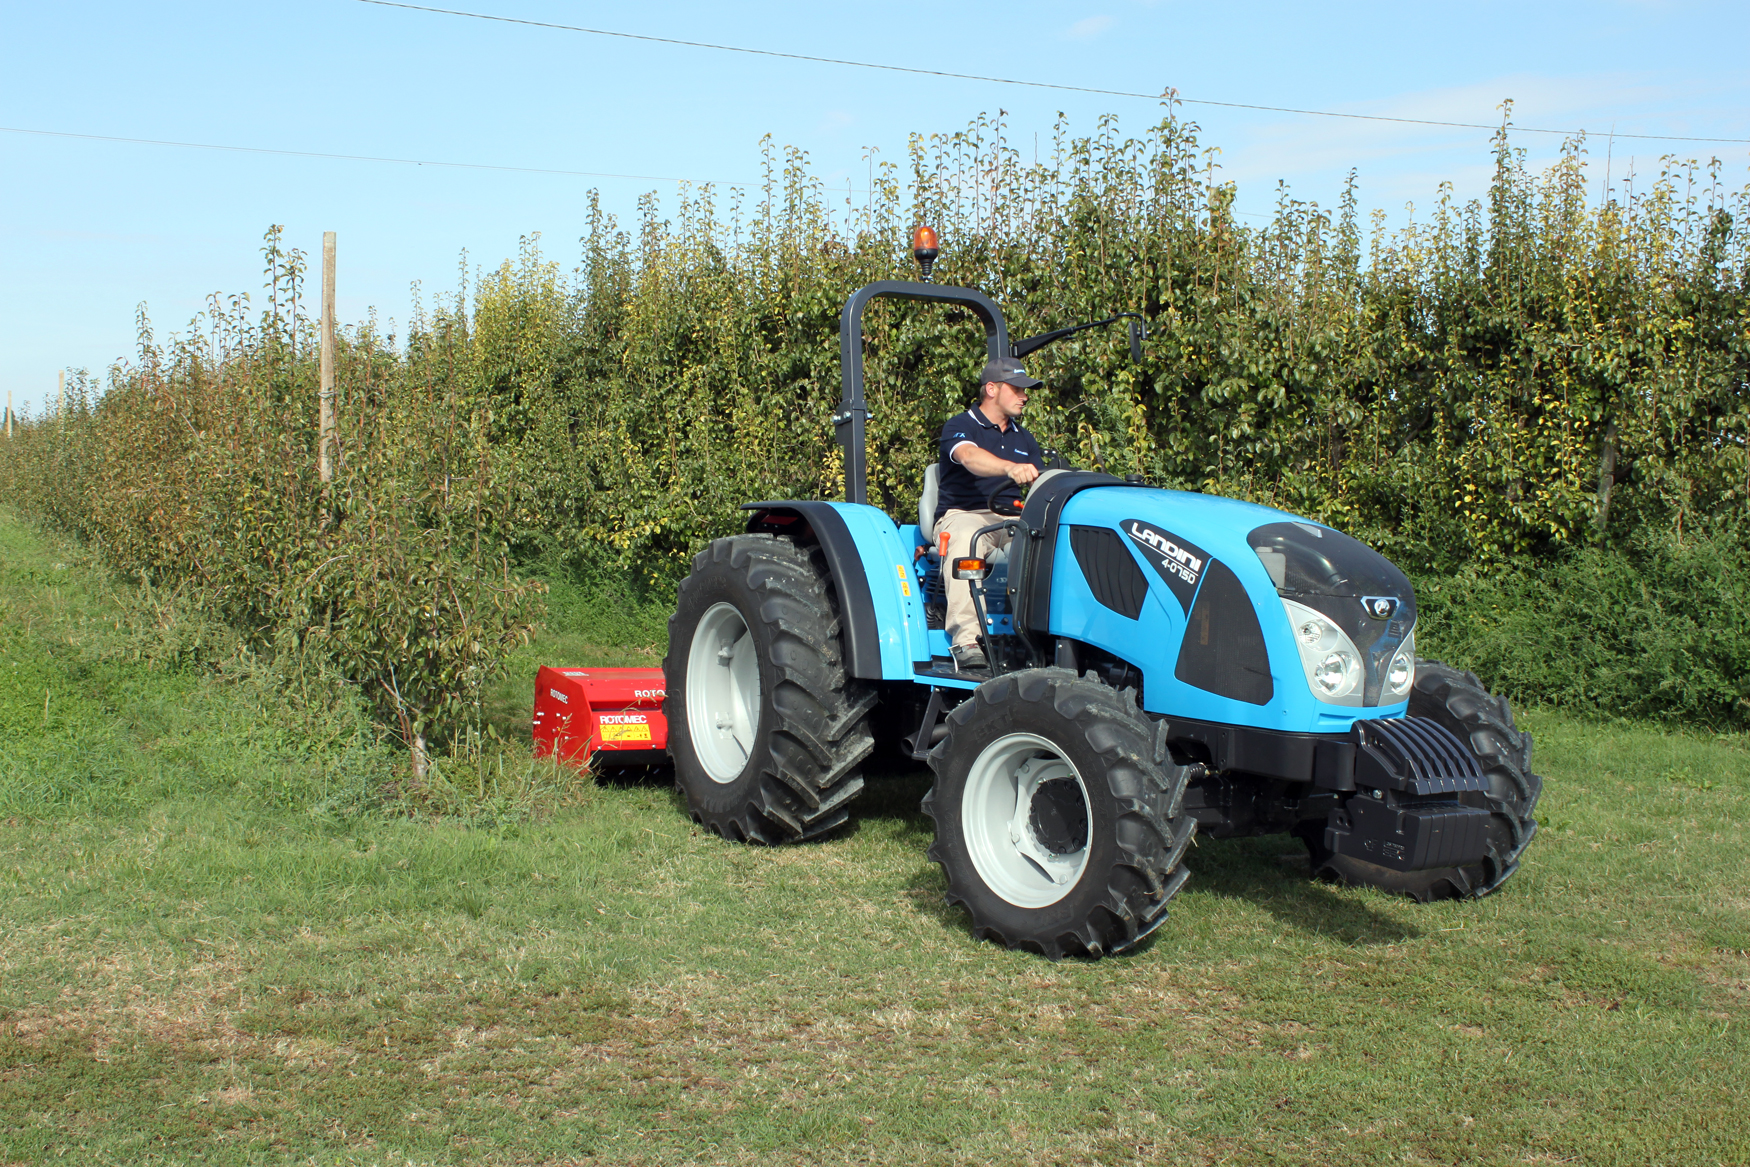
<point x="9" y="415"/>
<point x="325" y="435"/>
<point x="60" y="392"/>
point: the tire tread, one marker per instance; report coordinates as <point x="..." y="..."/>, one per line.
<point x="1141" y="784"/>
<point x="1484" y="722"/>
<point x="818" y="736"/>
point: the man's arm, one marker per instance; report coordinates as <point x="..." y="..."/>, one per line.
<point x="985" y="464"/>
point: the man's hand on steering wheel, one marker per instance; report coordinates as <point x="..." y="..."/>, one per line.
<point x="1002" y="494"/>
<point x="1021" y="473"/>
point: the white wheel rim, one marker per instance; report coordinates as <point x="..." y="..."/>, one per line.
<point x="1017" y="815"/>
<point x="723" y="692"/>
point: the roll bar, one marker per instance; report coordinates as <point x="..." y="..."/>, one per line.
<point x="850" y="421"/>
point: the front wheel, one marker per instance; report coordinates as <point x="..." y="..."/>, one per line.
<point x="767" y="732"/>
<point x="1057" y="810"/>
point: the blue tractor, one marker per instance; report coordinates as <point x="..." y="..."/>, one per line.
<point x="1160" y="663"/>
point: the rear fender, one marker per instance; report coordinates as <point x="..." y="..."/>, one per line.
<point x="881" y="606"/>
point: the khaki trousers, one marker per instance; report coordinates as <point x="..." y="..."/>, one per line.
<point x="959" y="526"/>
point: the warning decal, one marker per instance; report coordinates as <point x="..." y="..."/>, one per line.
<point x="626" y="732"/>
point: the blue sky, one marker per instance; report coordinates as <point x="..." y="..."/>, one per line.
<point x="89" y="229"/>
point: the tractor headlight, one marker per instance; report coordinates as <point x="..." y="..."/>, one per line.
<point x="1333" y="665"/>
<point x="1402" y="674"/>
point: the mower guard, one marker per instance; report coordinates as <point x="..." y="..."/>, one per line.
<point x="580" y="711"/>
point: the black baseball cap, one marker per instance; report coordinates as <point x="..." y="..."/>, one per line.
<point x="1007" y="371"/>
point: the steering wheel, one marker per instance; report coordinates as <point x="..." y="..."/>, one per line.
<point x="1003" y="495"/>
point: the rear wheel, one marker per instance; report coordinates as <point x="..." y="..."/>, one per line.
<point x="767" y="732"/>
<point x="1484" y="722"/>
<point x="1057" y="811"/>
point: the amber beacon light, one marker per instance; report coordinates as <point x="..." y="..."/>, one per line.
<point x="923" y="249"/>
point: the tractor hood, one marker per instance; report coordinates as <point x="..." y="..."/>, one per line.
<point x="1248" y="604"/>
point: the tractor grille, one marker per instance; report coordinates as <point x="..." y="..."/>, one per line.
<point x="1110" y="569"/>
<point x="1223" y="650"/>
<point x="1422" y="757"/>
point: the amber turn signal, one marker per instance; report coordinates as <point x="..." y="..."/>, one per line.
<point x="971" y="569"/>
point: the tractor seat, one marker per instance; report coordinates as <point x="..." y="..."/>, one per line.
<point x="927" y="501"/>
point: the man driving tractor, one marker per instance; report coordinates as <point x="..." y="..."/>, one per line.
<point x="984" y="443"/>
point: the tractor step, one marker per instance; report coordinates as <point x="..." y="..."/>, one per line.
<point x="945" y="673"/>
<point x="581" y="711"/>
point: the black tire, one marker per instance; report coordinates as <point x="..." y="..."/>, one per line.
<point x="1132" y="838"/>
<point x="1458" y="701"/>
<point x="805" y="749"/>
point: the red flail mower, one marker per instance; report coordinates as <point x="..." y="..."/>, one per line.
<point x="616" y="711"/>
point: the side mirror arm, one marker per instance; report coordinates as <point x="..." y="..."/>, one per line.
<point x="1138" y="330"/>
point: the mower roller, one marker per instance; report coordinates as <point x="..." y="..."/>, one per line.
<point x="1159" y="663"/>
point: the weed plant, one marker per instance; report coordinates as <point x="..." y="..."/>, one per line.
<point x="114" y="698"/>
<point x="1660" y="631"/>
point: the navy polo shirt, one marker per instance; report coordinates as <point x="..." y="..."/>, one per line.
<point x="957" y="488"/>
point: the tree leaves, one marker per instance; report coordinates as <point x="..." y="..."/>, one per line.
<point x="1455" y="392"/>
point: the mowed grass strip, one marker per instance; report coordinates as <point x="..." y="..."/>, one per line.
<point x="192" y="974"/>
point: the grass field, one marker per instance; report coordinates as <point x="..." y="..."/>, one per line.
<point x="209" y="953"/>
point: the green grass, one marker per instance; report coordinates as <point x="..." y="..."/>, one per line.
<point x="114" y="700"/>
<point x="193" y="972"/>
